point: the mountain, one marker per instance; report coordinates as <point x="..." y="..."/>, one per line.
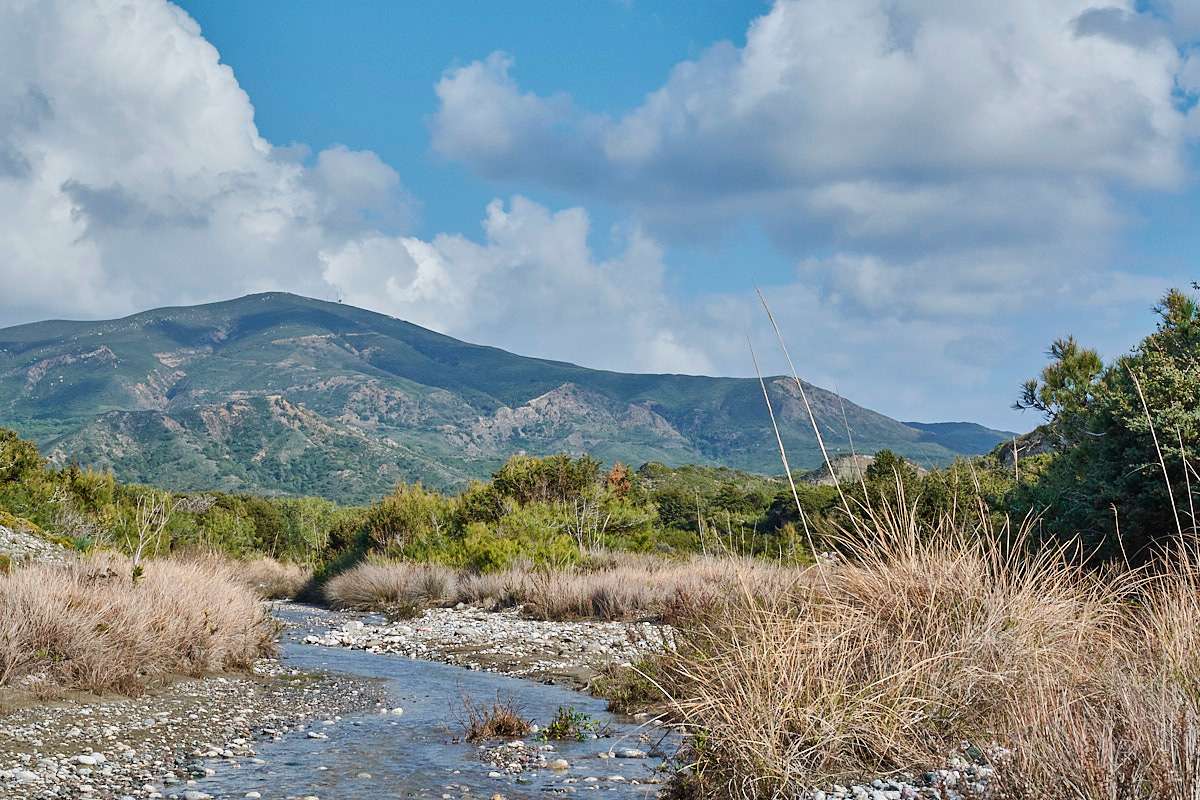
<point x="964" y="437"/>
<point x="279" y="393"/>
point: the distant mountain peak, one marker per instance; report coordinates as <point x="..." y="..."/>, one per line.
<point x="275" y="392"/>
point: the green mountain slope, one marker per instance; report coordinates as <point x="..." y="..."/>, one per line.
<point x="280" y="393"/>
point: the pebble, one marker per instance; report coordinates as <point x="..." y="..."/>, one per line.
<point x="502" y="641"/>
<point x="141" y="747"/>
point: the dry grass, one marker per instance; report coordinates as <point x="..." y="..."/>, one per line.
<point x="1086" y="682"/>
<point x="608" y="586"/>
<point x="397" y="588"/>
<point x="89" y="626"/>
<point x="498" y="720"/>
<point x="639" y="587"/>
<point x="1132" y="730"/>
<point x="274" y="580"/>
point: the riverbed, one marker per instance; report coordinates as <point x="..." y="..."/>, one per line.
<point x="411" y="746"/>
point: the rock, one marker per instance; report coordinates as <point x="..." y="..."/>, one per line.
<point x="25" y="776"/>
<point x="559" y="764"/>
<point x="629" y="752"/>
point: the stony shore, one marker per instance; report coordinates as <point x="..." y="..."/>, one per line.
<point x="569" y="653"/>
<point x="158" y="745"/>
<point x="154" y="746"/>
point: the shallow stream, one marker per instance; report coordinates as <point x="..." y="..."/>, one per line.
<point x="416" y="754"/>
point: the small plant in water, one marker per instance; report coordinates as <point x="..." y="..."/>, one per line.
<point x="499" y="720"/>
<point x="571" y="724"/>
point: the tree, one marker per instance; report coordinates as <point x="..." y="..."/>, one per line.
<point x="18" y="457"/>
<point x="1130" y="438"/>
<point x="1066" y="390"/>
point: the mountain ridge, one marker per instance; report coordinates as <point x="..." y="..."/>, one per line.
<point x="275" y="392"/>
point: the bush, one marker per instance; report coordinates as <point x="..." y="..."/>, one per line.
<point x="886" y="663"/>
<point x="552" y="479"/>
<point x="1104" y="421"/>
<point x="90" y="626"/>
<point x="273" y="580"/>
<point x="409" y="520"/>
<point x="499" y="720"/>
<point x="569" y="724"/>
<point x="400" y="589"/>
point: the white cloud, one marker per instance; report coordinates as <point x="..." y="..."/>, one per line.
<point x="896" y="135"/>
<point x="131" y="171"/>
<point x="533" y="285"/>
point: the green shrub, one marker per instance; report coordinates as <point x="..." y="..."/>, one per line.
<point x="569" y="724"/>
<point x="1104" y="420"/>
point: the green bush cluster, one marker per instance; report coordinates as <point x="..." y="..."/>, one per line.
<point x="544" y="510"/>
<point x="1124" y="439"/>
<point x="552" y="511"/>
<point x="86" y="508"/>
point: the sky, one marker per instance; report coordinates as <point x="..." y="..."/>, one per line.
<point x="927" y="193"/>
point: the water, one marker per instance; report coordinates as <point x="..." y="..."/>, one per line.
<point x="415" y="755"/>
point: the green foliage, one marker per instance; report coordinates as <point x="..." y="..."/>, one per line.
<point x="632" y="688"/>
<point x="85" y="508"/>
<point x="553" y="511"/>
<point x="553" y="479"/>
<point x="569" y="724"/>
<point x="1107" y="469"/>
<point x="18" y="458"/>
<point x="1065" y="392"/>
<point x="410" y="517"/>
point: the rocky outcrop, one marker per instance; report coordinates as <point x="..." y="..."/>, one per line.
<point x="20" y="547"/>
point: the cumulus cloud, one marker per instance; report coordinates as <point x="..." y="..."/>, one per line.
<point x="132" y="173"/>
<point x="533" y="283"/>
<point x="923" y="143"/>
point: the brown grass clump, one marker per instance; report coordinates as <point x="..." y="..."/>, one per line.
<point x="89" y="626"/>
<point x="495" y="590"/>
<point x="1133" y="729"/>
<point x="398" y="588"/>
<point x="274" y="580"/>
<point x="886" y="662"/>
<point x="1075" y="684"/>
<point x="624" y="587"/>
<point x="498" y="720"/>
<point x="607" y="586"/>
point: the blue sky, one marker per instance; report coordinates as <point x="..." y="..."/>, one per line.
<point x="928" y="193"/>
<point x="362" y="74"/>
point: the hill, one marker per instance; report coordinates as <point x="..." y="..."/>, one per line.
<point x="283" y="394"/>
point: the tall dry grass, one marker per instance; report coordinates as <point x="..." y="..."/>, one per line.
<point x="399" y="588"/>
<point x="272" y="579"/>
<point x="607" y="586"/>
<point x="1132" y="729"/>
<point x="89" y="626"/>
<point x="1076" y="684"/>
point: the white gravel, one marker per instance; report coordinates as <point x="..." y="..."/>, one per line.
<point x="503" y="641"/>
<point x="155" y="746"/>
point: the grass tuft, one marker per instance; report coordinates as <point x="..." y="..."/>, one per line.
<point x="88" y="625"/>
<point x="499" y="720"/>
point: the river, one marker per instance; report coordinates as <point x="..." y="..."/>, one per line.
<point x="415" y="754"/>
